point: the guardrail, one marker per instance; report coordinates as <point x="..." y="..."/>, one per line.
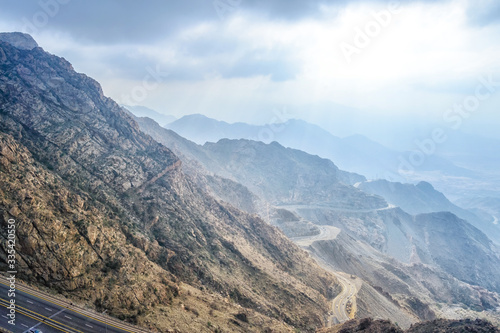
<point x="75" y="308"/>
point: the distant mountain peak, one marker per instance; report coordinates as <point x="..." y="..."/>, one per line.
<point x="425" y="186"/>
<point x="19" y="40"/>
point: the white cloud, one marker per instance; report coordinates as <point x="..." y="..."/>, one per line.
<point x="426" y="58"/>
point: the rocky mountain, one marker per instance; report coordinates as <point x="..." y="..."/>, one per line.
<point x="423" y="198"/>
<point x="284" y="175"/>
<point x="414" y="199"/>
<point x="106" y="215"/>
<point x="438" y="240"/>
<point x="203" y="169"/>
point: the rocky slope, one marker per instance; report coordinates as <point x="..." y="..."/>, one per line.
<point x="436" y="326"/>
<point x="107" y="215"/>
<point x="203" y="169"/>
<point x="443" y="257"/>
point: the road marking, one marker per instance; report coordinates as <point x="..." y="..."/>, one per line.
<point x="48" y="309"/>
<point x="25" y="325"/>
<point x="75" y="311"/>
<point x="29" y="301"/>
<point x="68" y="317"/>
<point x="89" y="326"/>
<point x="38" y="320"/>
<point x="25" y="311"/>
<point x="5" y="317"/>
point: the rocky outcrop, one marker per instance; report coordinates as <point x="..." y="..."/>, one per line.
<point x="454" y="326"/>
<point x="70" y="242"/>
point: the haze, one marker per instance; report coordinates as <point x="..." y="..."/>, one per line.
<point x="389" y="70"/>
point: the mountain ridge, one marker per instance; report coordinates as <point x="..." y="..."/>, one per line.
<point x="356" y="153"/>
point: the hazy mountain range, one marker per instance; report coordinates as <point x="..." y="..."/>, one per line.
<point x="444" y="166"/>
<point x="377" y="241"/>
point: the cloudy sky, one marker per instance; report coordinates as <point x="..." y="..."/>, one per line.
<point x="351" y="66"/>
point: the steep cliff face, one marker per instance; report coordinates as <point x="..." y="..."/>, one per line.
<point x="106" y="213"/>
<point x="69" y="241"/>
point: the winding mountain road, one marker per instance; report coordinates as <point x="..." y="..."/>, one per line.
<point x="339" y="312"/>
<point x="337" y="209"/>
<point x="326" y="232"/>
<point x="339" y="303"/>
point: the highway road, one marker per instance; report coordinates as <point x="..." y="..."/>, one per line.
<point x="43" y="312"/>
